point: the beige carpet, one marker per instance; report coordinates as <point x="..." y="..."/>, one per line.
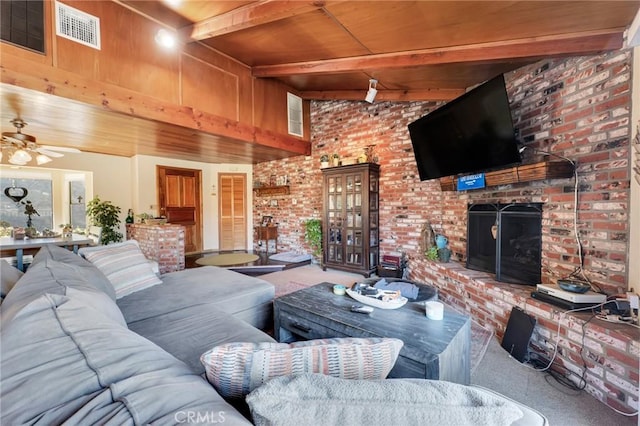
<point x="294" y="279"/>
<point x="227" y="259"/>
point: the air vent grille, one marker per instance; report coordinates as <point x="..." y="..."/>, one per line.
<point x="294" y="114"/>
<point x="77" y="25"/>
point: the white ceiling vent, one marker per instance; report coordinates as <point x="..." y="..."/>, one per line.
<point x="77" y="25"/>
<point x="294" y="114"/>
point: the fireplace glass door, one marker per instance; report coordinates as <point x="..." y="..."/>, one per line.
<point x="506" y="239"/>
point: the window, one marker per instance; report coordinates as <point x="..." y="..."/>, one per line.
<point x="23" y="23"/>
<point x="38" y="190"/>
<point x="59" y="197"/>
<point x="77" y="205"/>
<point x="294" y="114"/>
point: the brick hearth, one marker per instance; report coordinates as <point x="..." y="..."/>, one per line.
<point x="610" y="350"/>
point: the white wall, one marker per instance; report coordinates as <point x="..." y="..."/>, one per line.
<point x="107" y="177"/>
<point x="130" y="183"/>
<point x="634" y="209"/>
<point x="146" y="196"/>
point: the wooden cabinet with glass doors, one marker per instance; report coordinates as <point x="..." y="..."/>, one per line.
<point x="350" y="218"/>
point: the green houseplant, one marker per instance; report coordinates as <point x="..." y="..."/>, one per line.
<point x="107" y="216"/>
<point x="432" y="253"/>
<point x="313" y="235"/>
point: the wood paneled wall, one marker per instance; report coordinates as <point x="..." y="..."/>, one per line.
<point x="192" y="76"/>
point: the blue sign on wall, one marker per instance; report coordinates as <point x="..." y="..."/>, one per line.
<point x="471" y="182"/>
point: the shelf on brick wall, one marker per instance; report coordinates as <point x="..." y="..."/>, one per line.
<point x="267" y="191"/>
<point x="524" y="173"/>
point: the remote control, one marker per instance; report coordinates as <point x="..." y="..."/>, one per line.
<point x="361" y="309"/>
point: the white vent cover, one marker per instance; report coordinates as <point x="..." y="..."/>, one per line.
<point x="77" y="25"/>
<point x="294" y="114"/>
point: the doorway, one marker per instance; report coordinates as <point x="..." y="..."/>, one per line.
<point x="233" y="211"/>
<point x="179" y="200"/>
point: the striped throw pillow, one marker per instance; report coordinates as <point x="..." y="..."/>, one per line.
<point x="235" y="369"/>
<point x="124" y="265"/>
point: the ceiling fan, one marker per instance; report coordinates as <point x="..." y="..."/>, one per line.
<point x="20" y="147"/>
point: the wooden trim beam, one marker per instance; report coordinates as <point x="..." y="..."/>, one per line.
<point x="385" y="95"/>
<point x="108" y="97"/>
<point x="564" y="44"/>
<point x="251" y="15"/>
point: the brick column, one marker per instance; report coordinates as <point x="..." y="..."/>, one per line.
<point x="162" y="243"/>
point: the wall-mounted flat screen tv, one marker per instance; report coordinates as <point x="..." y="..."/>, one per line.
<point x="472" y="133"/>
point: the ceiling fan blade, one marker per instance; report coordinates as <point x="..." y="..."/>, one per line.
<point x="49" y="153"/>
<point x="60" y="148"/>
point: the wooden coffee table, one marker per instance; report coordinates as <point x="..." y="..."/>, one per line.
<point x="432" y="349"/>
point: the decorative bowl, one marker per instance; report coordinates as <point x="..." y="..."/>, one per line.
<point x="378" y="303"/>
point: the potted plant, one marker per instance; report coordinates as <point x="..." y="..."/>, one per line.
<point x="313" y="235"/>
<point x="324" y="160"/>
<point x="67" y="231"/>
<point x="107" y="216"/>
<point x="432" y="253"/>
<point x="336" y="160"/>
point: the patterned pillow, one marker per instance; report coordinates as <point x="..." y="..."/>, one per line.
<point x="124" y="265"/>
<point x="235" y="369"/>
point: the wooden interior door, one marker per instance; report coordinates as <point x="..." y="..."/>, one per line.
<point x="233" y="211"/>
<point x="179" y="198"/>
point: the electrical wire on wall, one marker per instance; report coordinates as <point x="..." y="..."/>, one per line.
<point x="564" y="379"/>
<point x="579" y="273"/>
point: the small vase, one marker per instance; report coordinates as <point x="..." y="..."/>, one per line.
<point x="444" y="254"/>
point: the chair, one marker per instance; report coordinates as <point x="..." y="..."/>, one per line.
<point x="95" y="235"/>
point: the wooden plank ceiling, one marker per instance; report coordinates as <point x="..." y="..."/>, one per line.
<point x="417" y="50"/>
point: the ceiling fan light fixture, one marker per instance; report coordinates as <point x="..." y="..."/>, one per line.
<point x="372" y="92"/>
<point x="42" y="159"/>
<point x="20" y="157"/>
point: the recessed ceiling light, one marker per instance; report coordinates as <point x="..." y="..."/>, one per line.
<point x="165" y="38"/>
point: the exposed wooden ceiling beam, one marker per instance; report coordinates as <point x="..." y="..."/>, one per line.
<point x="251" y="15"/>
<point x="565" y="44"/>
<point x="385" y="95"/>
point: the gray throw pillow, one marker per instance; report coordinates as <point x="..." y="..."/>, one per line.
<point x="316" y="398"/>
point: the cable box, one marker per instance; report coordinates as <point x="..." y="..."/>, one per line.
<point x="565" y="304"/>
<point x="555" y="291"/>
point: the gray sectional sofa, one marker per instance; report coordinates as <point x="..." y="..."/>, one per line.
<point x="73" y="353"/>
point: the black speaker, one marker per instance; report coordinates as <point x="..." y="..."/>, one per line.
<point x="518" y="334"/>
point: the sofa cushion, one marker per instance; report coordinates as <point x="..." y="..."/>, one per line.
<point x="63" y="361"/>
<point x="188" y="333"/>
<point x="82" y="266"/>
<point x="53" y="277"/>
<point x="293" y="400"/>
<point x="9" y="276"/>
<point x="124" y="265"/>
<point x="231" y="291"/>
<point x="235" y="369"/>
<point x="219" y="288"/>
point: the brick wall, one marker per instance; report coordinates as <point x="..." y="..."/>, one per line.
<point x="577" y="108"/>
<point x="162" y="243"/>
